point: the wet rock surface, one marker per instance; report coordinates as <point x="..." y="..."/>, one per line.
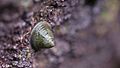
<point x="86" y="33"/>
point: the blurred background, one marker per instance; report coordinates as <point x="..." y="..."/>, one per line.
<point x="87" y="33"/>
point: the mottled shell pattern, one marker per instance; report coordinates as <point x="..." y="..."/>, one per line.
<point x="42" y="36"/>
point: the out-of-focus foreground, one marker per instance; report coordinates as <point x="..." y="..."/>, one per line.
<point x="87" y="33"/>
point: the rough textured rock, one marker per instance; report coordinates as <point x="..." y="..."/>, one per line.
<point x="86" y="33"/>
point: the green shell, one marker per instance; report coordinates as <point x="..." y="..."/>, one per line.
<point x="42" y="36"/>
